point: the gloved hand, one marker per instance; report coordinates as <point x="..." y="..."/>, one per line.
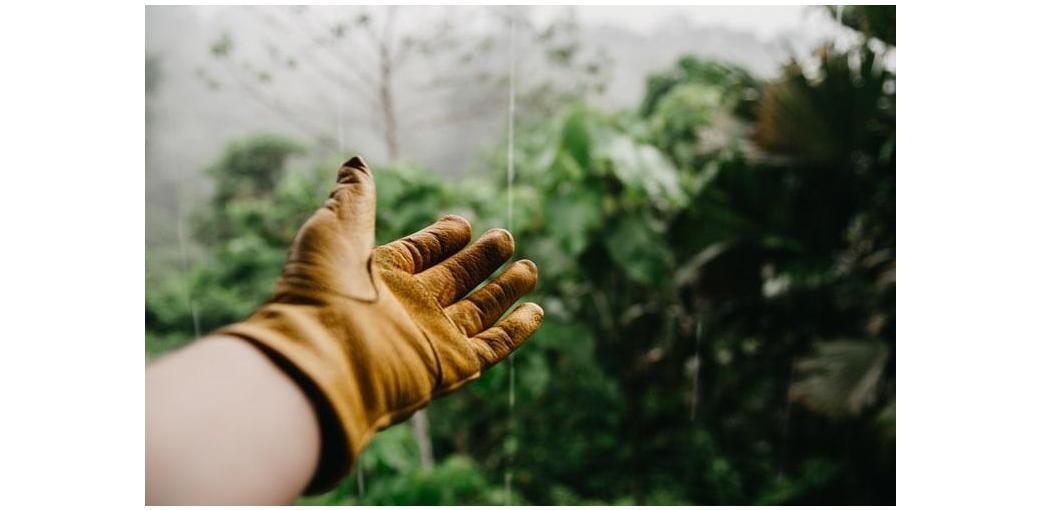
<point x="373" y="334"/>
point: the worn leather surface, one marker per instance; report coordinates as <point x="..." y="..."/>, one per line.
<point x="373" y="334"/>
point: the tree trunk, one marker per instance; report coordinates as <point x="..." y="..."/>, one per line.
<point x="420" y="424"/>
<point x="386" y="100"/>
<point x="421" y="431"/>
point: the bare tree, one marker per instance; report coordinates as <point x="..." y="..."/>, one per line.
<point x="367" y="57"/>
<point x="400" y="70"/>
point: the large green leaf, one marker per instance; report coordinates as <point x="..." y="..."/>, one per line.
<point x="571" y="219"/>
<point x="638" y="247"/>
<point x="643" y="168"/>
<point x="576" y="137"/>
<point x="841" y="377"/>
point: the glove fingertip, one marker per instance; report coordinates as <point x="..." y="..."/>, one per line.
<point x="537" y="313"/>
<point x="357" y="162"/>
<point x="348" y="171"/>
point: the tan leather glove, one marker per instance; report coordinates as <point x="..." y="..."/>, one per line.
<point x="373" y="334"/>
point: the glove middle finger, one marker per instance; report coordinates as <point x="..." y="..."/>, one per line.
<point x="452" y="279"/>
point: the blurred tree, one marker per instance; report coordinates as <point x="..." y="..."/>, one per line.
<point x="245" y="179"/>
<point x="739" y="89"/>
<point x="250" y="220"/>
<point x="368" y="57"/>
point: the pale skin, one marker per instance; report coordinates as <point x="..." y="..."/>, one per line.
<point x="225" y="425"/>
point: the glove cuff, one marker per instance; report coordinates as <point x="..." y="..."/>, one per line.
<point x="326" y="383"/>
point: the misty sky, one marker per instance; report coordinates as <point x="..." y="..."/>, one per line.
<point x="764" y="21"/>
<point x="190" y="120"/>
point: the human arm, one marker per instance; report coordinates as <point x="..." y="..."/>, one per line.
<point x="225" y="425"/>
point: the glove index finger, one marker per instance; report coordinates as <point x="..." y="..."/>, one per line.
<point x="429" y="246"/>
<point x="495" y="343"/>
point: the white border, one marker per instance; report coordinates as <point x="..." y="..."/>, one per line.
<point x="71" y="207"/>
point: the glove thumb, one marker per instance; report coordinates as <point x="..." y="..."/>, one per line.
<point x="353" y="199"/>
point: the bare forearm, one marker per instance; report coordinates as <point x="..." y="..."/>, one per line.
<point x="224" y="425"/>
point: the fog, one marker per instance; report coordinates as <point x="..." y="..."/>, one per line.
<point x="216" y="74"/>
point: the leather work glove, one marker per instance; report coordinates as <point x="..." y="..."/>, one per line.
<point x="372" y="334"/>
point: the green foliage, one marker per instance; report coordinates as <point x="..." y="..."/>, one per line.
<point x="681" y="116"/>
<point x="720" y="322"/>
<point x="250" y="169"/>
<point x="256" y="208"/>
<point x="739" y="90"/>
<point x="393" y="477"/>
<point x="872" y="20"/>
<point x="838" y="110"/>
<point x="638" y="247"/>
<point x="841" y="378"/>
